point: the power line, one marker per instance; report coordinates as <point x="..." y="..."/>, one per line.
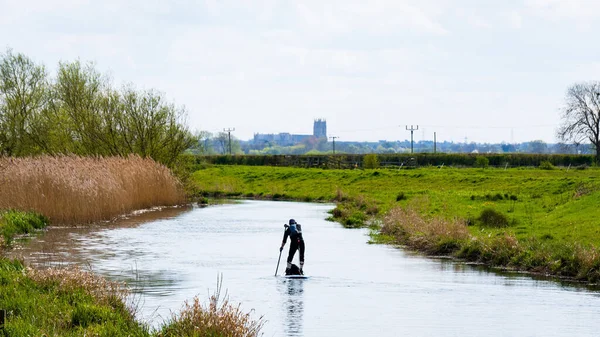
<point x="334" y="137"/>
<point x="458" y="127"/>
<point x="229" y="130"/>
<point x="411" y="136"/>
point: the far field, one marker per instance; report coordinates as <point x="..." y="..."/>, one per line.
<point x="553" y="204"/>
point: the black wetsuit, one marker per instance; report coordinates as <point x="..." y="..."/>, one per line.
<point x="296" y="243"/>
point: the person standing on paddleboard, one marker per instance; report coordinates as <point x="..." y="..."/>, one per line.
<point x="294" y="231"/>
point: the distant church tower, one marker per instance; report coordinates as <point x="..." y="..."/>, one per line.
<point x="320" y="128"/>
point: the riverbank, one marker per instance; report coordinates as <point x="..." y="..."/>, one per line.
<point x="527" y="219"/>
<point x="71" y="190"/>
<point x="71" y="301"/>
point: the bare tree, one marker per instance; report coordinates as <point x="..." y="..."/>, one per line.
<point x="537" y="146"/>
<point x="222" y="142"/>
<point x="203" y="143"/>
<point x="581" y="115"/>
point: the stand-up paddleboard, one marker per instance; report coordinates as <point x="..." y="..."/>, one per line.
<point x="296" y="276"/>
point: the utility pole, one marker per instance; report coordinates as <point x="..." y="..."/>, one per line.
<point x="434" y="142"/>
<point x="334" y="137"/>
<point x="229" y="133"/>
<point x="412" y="129"/>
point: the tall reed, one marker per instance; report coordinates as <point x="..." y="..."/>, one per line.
<point x="77" y="190"/>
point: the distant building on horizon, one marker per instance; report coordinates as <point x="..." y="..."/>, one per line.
<point x="320" y="128"/>
<point x="287" y="139"/>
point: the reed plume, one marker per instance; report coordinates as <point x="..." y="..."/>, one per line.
<point x="72" y="190"/>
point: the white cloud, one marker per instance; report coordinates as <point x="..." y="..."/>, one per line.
<point x="515" y="20"/>
<point x="373" y="16"/>
<point x="272" y="66"/>
<point x="583" y="13"/>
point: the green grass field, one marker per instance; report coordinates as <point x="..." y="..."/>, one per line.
<point x="552" y="211"/>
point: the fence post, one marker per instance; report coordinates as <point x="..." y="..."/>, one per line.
<point x="2" y="318"/>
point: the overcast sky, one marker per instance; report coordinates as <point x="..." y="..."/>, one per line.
<point x="484" y="71"/>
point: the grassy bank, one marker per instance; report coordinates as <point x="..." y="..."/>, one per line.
<point x="57" y="302"/>
<point x="74" y="302"/>
<point x="78" y="190"/>
<point x="13" y="223"/>
<point x="530" y="219"/>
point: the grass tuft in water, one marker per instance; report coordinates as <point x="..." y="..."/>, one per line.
<point x="218" y="318"/>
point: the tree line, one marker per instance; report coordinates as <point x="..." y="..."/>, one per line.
<point x="218" y="144"/>
<point x="79" y="111"/>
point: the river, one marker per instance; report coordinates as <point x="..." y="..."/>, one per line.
<point x="354" y="289"/>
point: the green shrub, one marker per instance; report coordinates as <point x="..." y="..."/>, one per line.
<point x="546" y="165"/>
<point x="489" y="217"/>
<point x="356" y="219"/>
<point x="494" y="197"/>
<point x="13" y="223"/>
<point x="482" y="162"/>
<point x="337" y="213"/>
<point x="370" y="161"/>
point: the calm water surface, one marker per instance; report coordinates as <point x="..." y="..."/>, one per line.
<point x="355" y="289"/>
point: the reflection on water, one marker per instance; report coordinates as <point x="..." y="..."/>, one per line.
<point x="293" y="305"/>
<point x="61" y="246"/>
<point x="355" y="289"/>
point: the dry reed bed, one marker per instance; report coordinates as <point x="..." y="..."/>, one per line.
<point x="408" y="227"/>
<point x="78" y="190"/>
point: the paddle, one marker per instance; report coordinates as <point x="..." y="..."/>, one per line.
<point x="280" y="250"/>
